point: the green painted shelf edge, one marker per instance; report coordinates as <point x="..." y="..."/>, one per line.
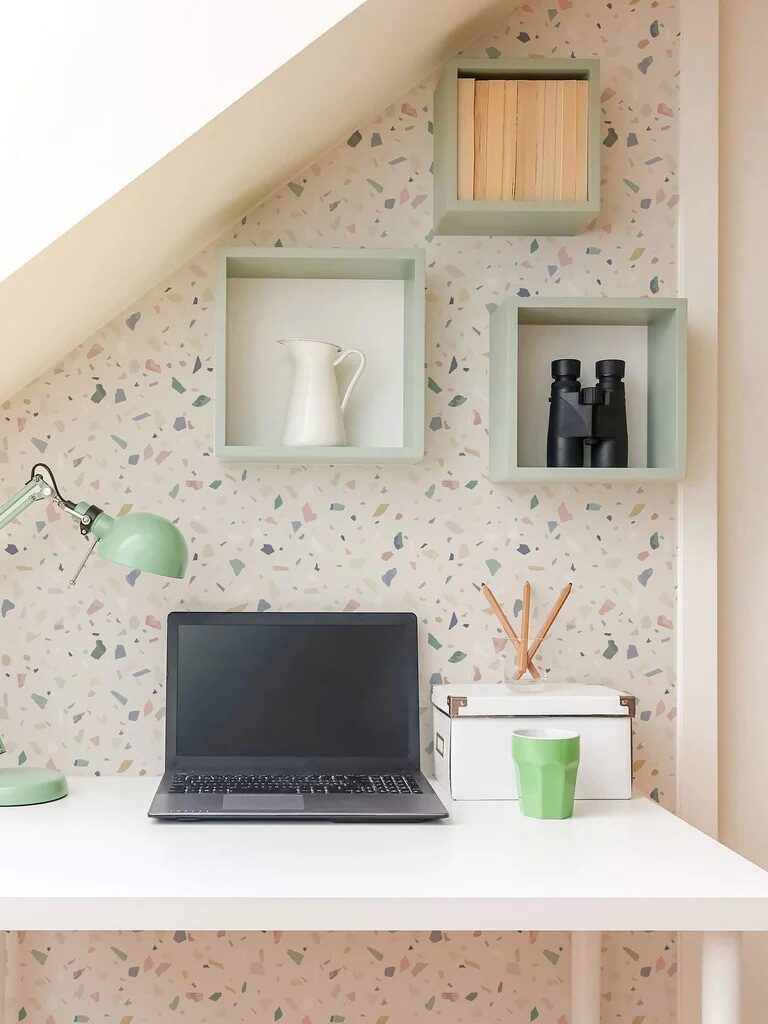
<point x="666" y="320"/>
<point x="505" y="217"/>
<point x="311" y="455"/>
<point x="407" y="265"/>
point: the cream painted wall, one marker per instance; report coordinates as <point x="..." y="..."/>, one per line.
<point x="179" y="204"/>
<point x="112" y="88"/>
<point x="743" y="550"/>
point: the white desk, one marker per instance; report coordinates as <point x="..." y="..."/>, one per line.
<point x="95" y="862"/>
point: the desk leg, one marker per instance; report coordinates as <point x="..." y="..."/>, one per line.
<point x="9" y="965"/>
<point x="585" y="977"/>
<point x="3" y="976"/>
<point x="721" y="978"/>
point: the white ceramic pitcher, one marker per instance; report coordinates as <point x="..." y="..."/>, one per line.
<point x="315" y="413"/>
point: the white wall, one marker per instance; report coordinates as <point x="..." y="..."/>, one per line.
<point x="743" y="544"/>
<point x="94" y="93"/>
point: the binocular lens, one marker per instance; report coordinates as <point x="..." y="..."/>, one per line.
<point x="610" y="368"/>
<point x="566" y="368"/>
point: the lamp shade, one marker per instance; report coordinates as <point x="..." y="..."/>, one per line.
<point x="142" y="541"/>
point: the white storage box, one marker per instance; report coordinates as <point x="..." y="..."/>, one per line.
<point x="473" y="726"/>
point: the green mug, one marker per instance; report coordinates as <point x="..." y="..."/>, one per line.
<point x="546" y="763"/>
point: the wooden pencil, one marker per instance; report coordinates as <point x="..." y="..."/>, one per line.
<point x="547" y="623"/>
<point x="506" y="625"/>
<point x="524" y="628"/>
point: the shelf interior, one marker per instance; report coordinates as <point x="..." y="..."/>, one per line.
<point x="357" y="313"/>
<point x="483" y="72"/>
<point x="539" y="344"/>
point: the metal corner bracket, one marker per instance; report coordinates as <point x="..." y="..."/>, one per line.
<point x="627" y="701"/>
<point x="454" y="703"/>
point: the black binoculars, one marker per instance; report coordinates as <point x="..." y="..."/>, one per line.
<point x="595" y="416"/>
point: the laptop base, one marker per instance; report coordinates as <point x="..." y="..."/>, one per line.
<point x="347" y="807"/>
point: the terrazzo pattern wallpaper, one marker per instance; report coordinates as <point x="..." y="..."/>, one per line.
<point x="330" y="978"/>
<point x="127" y="422"/>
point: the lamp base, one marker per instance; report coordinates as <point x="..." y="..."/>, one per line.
<point x="21" y="786"/>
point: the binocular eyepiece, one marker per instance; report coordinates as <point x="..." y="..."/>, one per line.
<point x="594" y="416"/>
<point x="603" y="368"/>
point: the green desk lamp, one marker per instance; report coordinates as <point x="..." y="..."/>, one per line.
<point x="139" y="540"/>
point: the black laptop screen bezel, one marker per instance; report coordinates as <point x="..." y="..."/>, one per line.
<point x="406" y="620"/>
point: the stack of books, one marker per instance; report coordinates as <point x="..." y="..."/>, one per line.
<point x="523" y="139"/>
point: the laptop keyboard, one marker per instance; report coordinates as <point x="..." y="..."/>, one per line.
<point x="247" y="782"/>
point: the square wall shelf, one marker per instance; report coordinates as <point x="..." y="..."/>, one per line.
<point x="527" y="334"/>
<point x="510" y="217"/>
<point x="368" y="299"/>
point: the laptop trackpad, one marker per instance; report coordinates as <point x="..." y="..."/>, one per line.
<point x="271" y="802"/>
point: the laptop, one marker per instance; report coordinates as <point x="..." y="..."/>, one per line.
<point x="293" y="716"/>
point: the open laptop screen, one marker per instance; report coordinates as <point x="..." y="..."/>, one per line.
<point x="293" y="688"/>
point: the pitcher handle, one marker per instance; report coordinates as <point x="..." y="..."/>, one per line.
<point x="356" y="375"/>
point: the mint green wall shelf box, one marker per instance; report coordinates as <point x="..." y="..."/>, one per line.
<point x="510" y="217"/>
<point x="650" y="334"/>
<point x="368" y="299"/>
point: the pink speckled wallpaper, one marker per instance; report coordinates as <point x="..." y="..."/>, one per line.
<point x="330" y="978"/>
<point x="127" y="419"/>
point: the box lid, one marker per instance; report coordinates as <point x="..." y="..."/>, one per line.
<point x="468" y="700"/>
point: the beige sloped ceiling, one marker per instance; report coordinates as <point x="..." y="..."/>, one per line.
<point x="164" y="216"/>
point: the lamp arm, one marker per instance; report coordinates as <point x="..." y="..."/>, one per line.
<point x="37" y="488"/>
<point x="34" y="490"/>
